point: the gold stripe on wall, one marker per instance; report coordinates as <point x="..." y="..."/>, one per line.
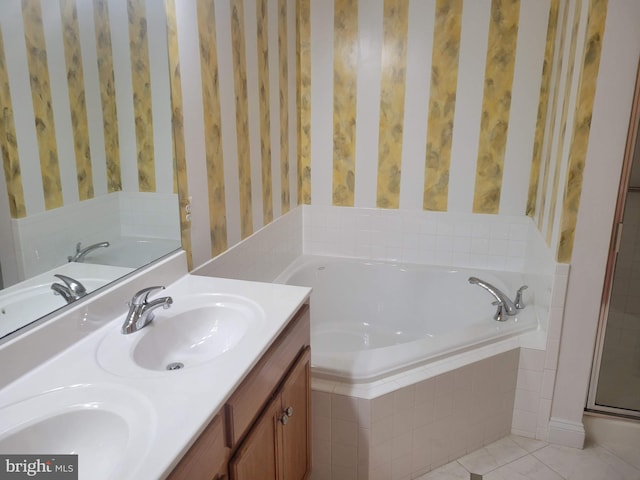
<point x="107" y="94"/>
<point x="242" y="116"/>
<point x="303" y="81"/>
<point x="581" y="127"/>
<point x="284" y="106"/>
<point x="42" y="103"/>
<point x="547" y="67"/>
<point x="345" y="78"/>
<point x="141" y="79"/>
<point x="77" y="103"/>
<point x="442" y="103"/>
<point x="552" y="119"/>
<point x="563" y="124"/>
<point x="394" y="63"/>
<point x="265" y="109"/>
<point x="496" y="104"/>
<point x="8" y="145"/>
<point x="212" y="126"/>
<point x="177" y="127"/>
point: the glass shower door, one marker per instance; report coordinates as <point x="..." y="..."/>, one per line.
<point x="615" y="385"/>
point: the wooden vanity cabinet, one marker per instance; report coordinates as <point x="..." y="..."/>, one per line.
<point x="207" y="458"/>
<point x="263" y="430"/>
<point x="277" y="446"/>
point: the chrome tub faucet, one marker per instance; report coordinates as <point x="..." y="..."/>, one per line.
<point x="82" y="252"/>
<point x="141" y="309"/>
<point x="505" y="305"/>
<point x="72" y="289"/>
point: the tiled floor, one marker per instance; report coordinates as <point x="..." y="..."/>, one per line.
<point x="519" y="458"/>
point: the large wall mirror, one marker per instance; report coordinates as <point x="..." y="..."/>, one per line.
<point x="86" y="144"/>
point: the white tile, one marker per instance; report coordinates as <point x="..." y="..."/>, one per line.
<point x="344" y="473"/>
<point x="321" y="403"/>
<point x="420" y="458"/>
<point x="403" y="399"/>
<point x="529" y="380"/>
<point x="344" y="456"/>
<point x="551" y="360"/>
<point x="525" y="468"/>
<point x="401" y="467"/>
<point x="321" y="452"/>
<point x="525" y="421"/>
<point x="344" y="407"/>
<point x="450" y="471"/>
<point x="548" y="384"/>
<point x="403" y="421"/>
<point x="321" y="428"/>
<point x="492" y="456"/>
<point x="527" y="401"/>
<point x="402" y="445"/>
<point x="592" y="463"/>
<point x="529" y="444"/>
<point x="321" y="471"/>
<point x="531" y="359"/>
<point x="381" y="430"/>
<point x="380" y="471"/>
<point x="344" y="432"/>
<point x="544" y="413"/>
<point x="382" y="407"/>
<point x="556" y="314"/>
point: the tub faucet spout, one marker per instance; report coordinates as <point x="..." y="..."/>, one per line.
<point x="507" y="305"/>
<point x="82" y="252"/>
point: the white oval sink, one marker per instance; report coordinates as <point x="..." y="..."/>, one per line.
<point x="109" y="428"/>
<point x="194" y="336"/>
<point x="196" y="329"/>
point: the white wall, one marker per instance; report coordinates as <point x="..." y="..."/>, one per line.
<point x="614" y="94"/>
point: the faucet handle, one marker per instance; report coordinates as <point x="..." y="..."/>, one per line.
<point x="141" y="297"/>
<point x="519" y="303"/>
<point x="500" y="312"/>
<point x="76" y="288"/>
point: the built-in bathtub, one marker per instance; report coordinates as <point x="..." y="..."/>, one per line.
<point x="370" y="319"/>
<point x="409" y="368"/>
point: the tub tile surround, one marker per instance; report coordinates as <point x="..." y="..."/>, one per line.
<point x="416" y="428"/>
<point x="422" y="237"/>
<point x="343" y="446"/>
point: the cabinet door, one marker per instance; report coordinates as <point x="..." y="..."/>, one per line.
<point x="257" y="458"/>
<point x="296" y="446"/>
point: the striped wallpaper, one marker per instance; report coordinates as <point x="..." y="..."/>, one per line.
<point x="446" y="105"/>
<point x="92" y="83"/>
<point x="238" y="70"/>
<point x="450" y="105"/>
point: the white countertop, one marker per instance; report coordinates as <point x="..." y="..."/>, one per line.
<point x="177" y="404"/>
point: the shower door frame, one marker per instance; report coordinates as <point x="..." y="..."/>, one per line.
<point x="631" y="147"/>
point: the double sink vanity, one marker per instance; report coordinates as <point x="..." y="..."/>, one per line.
<point x="216" y="385"/>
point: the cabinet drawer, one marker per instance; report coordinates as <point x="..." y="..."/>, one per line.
<point x="207" y="457"/>
<point x="247" y="401"/>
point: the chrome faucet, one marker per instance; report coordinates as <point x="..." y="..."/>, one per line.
<point x="505" y="305"/>
<point x="81" y="252"/>
<point x="141" y="310"/>
<point x="72" y="289"/>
